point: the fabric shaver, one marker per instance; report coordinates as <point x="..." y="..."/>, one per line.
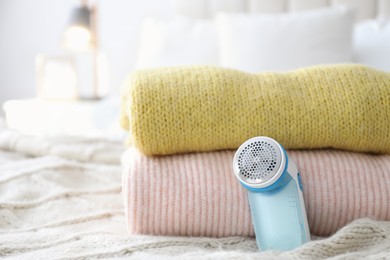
<point x="275" y="194"/>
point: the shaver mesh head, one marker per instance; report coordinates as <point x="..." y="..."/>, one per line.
<point x="259" y="160"/>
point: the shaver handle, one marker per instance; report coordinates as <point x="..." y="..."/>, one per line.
<point x="279" y="217"/>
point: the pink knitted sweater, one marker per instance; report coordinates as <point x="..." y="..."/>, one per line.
<point x="198" y="195"/>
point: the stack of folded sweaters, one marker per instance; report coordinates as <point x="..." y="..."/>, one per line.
<point x="186" y="122"/>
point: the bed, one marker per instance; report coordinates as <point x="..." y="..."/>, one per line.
<point x="61" y="196"/>
<point x="61" y="199"/>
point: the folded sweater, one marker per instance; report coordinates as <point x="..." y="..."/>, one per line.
<point x="187" y="109"/>
<point x="197" y="194"/>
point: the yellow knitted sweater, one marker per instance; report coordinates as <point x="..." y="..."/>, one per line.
<point x="188" y="109"/>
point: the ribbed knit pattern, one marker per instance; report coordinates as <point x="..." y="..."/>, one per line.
<point x="198" y="195"/>
<point x="186" y="109"/>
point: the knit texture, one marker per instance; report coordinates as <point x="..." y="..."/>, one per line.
<point x="198" y="195"/>
<point x="187" y="109"/>
<point x="63" y="206"/>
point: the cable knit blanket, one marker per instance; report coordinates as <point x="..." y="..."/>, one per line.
<point x="191" y="109"/>
<point x="60" y="198"/>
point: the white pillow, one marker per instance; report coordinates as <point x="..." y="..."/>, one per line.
<point x="179" y="41"/>
<point x="371" y="44"/>
<point x="279" y="42"/>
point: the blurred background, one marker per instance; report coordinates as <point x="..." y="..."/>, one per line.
<point x="62" y="62"/>
<point x="29" y="28"/>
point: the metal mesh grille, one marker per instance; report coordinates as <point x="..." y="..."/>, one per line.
<point x="259" y="161"/>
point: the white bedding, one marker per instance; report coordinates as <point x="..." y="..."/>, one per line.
<point x="61" y="198"/>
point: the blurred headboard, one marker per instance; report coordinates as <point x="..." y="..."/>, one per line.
<point x="366" y="9"/>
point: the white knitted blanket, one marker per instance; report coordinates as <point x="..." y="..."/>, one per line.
<point x="60" y="198"/>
